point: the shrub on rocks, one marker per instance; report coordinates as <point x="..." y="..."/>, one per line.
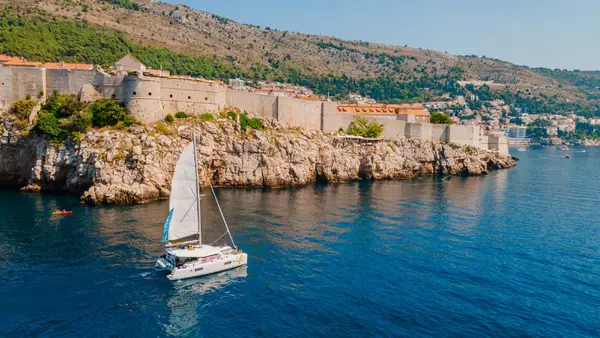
<point x="365" y="128"/>
<point x="47" y="123"/>
<point x="65" y="117"/>
<point x="22" y="108"/>
<point x="76" y="124"/>
<point x="207" y="117"/>
<point x="254" y="123"/>
<point x="232" y="115"/>
<point x="108" y="112"/>
<point x="181" y="115"/>
<point x="163" y="129"/>
<point x="169" y="118"/>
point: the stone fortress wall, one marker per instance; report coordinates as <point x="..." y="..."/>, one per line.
<point x="151" y="98"/>
<point x="324" y="116"/>
<point x="148" y="98"/>
<point x="17" y="83"/>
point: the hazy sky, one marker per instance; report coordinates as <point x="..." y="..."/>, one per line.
<point x="550" y="33"/>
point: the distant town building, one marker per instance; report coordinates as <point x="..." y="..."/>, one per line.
<point x="552" y="131"/>
<point x="359" y="99"/>
<point x="237" y="84"/>
<point x="517" y="132"/>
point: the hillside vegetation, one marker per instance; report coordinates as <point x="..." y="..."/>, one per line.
<point x="187" y="41"/>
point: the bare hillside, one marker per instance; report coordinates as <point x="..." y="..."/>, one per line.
<point x="195" y="32"/>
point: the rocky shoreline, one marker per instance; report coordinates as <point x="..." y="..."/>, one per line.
<point x="135" y="165"/>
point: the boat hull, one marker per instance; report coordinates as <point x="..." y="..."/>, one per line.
<point x="191" y="270"/>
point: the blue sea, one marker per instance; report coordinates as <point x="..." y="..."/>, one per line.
<point x="514" y="253"/>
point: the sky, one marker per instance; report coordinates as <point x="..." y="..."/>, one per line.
<point x="551" y="33"/>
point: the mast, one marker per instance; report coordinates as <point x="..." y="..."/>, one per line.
<point x="197" y="193"/>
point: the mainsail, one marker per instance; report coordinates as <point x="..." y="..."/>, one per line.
<point x="184" y="203"/>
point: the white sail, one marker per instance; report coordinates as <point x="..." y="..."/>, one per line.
<point x="185" y="220"/>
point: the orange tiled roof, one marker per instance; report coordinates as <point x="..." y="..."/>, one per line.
<point x="22" y="63"/>
<point x="8" y="58"/>
<point x="398" y="109"/>
<point x="72" y="66"/>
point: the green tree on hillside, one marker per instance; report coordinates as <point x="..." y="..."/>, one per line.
<point x="440" y="118"/>
<point x="539" y="123"/>
<point x="125" y="4"/>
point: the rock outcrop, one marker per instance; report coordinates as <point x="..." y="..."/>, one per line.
<point x="136" y="165"/>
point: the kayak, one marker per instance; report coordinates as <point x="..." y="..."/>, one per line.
<point x="61" y="213"/>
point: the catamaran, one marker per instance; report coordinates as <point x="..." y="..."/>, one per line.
<point x="185" y="254"/>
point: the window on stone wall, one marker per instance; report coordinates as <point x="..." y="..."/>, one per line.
<point x="113" y="96"/>
<point x="171" y="96"/>
<point x="134" y="93"/>
<point x="189" y="97"/>
<point x="149" y="94"/>
<point x="206" y="99"/>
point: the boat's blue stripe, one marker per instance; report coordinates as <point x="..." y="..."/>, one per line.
<point x="167" y="223"/>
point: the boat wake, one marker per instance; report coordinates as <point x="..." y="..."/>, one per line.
<point x="202" y="285"/>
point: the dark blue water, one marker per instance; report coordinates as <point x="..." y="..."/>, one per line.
<point x="514" y="253"/>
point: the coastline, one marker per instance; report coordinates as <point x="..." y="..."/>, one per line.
<point x="111" y="166"/>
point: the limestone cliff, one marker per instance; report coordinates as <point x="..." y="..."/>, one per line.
<point x="118" y="166"/>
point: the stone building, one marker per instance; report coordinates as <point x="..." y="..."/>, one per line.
<point x="404" y="112"/>
<point x="129" y="64"/>
<point x="20" y="78"/>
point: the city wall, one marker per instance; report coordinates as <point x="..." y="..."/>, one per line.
<point x="67" y="81"/>
<point x="150" y="99"/>
<point x="6" y="87"/>
<point x="302" y="113"/>
<point x="263" y="105"/>
<point x="325" y="116"/>
<point x="18" y="82"/>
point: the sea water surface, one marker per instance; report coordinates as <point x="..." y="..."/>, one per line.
<point x="513" y="253"/>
